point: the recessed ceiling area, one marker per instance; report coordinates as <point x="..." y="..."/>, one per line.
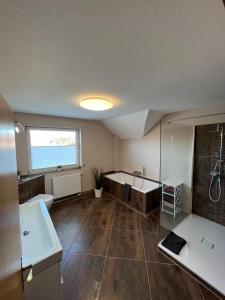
<point x="159" y="55"/>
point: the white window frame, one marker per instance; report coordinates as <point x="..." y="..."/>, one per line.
<point x="54" y="169"/>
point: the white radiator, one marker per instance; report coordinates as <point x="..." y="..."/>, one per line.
<point x="66" y="185"/>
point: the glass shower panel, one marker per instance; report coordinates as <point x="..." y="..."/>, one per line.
<point x="176" y="172"/>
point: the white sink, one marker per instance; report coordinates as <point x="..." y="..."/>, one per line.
<point x="41" y="247"/>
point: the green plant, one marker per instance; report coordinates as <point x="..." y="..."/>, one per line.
<point x="98" y="178"/>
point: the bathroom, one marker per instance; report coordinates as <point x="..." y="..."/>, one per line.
<point x="112" y="150"/>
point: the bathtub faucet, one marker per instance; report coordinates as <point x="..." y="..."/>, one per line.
<point x="137" y="173"/>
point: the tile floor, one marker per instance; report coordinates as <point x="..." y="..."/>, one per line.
<point x="110" y="253"/>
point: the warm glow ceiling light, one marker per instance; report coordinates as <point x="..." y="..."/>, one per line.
<point x="96" y="104"/>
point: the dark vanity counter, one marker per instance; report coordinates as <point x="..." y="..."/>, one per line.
<point x="29" y="186"/>
<point x="26" y="178"/>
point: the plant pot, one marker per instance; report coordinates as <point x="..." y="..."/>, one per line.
<point x="98" y="193"/>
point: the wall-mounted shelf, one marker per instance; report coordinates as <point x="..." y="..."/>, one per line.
<point x="171" y="196"/>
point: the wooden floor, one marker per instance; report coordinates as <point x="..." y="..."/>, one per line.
<point x="110" y="253"/>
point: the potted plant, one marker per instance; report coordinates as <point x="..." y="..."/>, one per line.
<point x="98" y="180"/>
<point x="59" y="168"/>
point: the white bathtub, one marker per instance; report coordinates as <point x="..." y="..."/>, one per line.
<point x="205" y="257"/>
<point x="136" y="183"/>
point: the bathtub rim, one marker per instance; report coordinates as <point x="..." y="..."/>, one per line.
<point x="139" y="176"/>
<point x="134" y="188"/>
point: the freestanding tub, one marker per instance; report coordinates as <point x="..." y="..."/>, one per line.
<point x="145" y="194"/>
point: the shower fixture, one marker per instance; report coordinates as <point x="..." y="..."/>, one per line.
<point x="216" y="172"/>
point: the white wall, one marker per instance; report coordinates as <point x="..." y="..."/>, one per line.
<point x="144" y="152"/>
<point x="97" y="146"/>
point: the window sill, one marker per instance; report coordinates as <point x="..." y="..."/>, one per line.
<point x="55" y="171"/>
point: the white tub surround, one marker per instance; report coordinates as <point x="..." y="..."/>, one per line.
<point x="137" y="183"/>
<point x="41" y="253"/>
<point x="204" y="252"/>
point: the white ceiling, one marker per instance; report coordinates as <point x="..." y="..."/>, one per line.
<point x="147" y="54"/>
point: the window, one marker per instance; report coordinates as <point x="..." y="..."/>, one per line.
<point x="50" y="149"/>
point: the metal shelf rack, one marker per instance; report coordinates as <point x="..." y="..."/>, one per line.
<point x="171" y="196"/>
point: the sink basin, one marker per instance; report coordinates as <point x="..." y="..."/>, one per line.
<point x="41" y="247"/>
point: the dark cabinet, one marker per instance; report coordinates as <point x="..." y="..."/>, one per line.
<point x="31" y="187"/>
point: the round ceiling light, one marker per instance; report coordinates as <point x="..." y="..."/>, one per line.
<point x="96" y="104"/>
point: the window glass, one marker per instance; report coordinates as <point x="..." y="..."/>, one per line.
<point x="51" y="148"/>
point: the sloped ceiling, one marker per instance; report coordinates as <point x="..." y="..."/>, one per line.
<point x="152" y="119"/>
<point x="135" y="125"/>
<point x="154" y="54"/>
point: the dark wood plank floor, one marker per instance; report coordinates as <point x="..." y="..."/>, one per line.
<point x="110" y="253"/>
